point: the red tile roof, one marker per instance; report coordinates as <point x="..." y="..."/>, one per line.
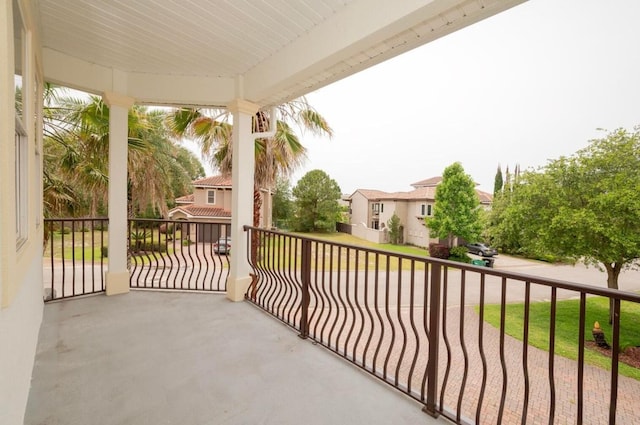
<point x="213" y="181"/>
<point x="422" y="193"/>
<point x="485" y="198"/>
<point x="186" y="199"/>
<point x="201" y="211"/>
<point x="432" y="181"/>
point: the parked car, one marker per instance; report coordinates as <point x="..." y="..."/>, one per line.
<point x="481" y="249"/>
<point x="223" y="246"/>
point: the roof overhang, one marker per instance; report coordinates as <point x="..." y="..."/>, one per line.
<point x="208" y="53"/>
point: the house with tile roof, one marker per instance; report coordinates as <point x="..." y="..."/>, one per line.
<point x="210" y="203"/>
<point x="370" y="210"/>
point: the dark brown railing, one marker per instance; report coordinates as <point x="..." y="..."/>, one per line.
<point x="74" y="263"/>
<point x="418" y="324"/>
<point x="164" y="254"/>
<point x="178" y="254"/>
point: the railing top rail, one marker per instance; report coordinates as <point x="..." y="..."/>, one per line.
<point x="170" y="220"/>
<point x="560" y="284"/>
<point x="66" y="219"/>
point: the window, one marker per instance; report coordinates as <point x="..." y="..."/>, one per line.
<point x="375" y="208"/>
<point x="21" y="183"/>
<point x="381" y="208"/>
<point x="21" y="96"/>
<point x="211" y="196"/>
<point x="375" y="224"/>
<point x="429" y="210"/>
<point x="422" y="207"/>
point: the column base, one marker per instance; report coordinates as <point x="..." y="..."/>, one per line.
<point x="237" y="287"/>
<point x="117" y="283"/>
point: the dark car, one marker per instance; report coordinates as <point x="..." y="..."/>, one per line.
<point x="223" y="246"/>
<point x="481" y="249"/>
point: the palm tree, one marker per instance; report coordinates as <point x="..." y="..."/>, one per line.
<point x="279" y="155"/>
<point x="76" y="152"/>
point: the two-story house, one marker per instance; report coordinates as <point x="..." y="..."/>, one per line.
<point x="371" y="210"/>
<point x="210" y="203"/>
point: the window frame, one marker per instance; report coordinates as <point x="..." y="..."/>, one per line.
<point x="21" y="183"/>
<point x="211" y="192"/>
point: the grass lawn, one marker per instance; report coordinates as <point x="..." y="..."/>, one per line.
<point x="567" y="315"/>
<point x="350" y="260"/>
<point x="74" y="244"/>
<point x="90" y="252"/>
<point x="352" y="240"/>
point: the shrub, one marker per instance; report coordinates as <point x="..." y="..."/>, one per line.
<point x="148" y="247"/>
<point x="104" y="251"/>
<point x="437" y="250"/>
<point x="459" y="253"/>
<point x="100" y="226"/>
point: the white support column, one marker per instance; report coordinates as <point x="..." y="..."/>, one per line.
<point x="117" y="276"/>
<point x="241" y="196"/>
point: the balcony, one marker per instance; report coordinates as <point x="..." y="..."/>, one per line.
<point x="416" y="324"/>
<point x="193" y="358"/>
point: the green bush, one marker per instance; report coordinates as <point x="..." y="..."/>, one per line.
<point x="104" y="251"/>
<point x="459" y="253"/>
<point x="148" y="247"/>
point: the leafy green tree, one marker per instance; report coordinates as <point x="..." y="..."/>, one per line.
<point x="280" y="155"/>
<point x="584" y="207"/>
<point x="316" y="203"/>
<point x="394" y="229"/>
<point x="497" y="182"/>
<point x="76" y="152"/>
<point x="282" y="210"/>
<point x="457" y="207"/>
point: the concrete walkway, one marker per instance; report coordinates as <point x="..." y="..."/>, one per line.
<point x="175" y="358"/>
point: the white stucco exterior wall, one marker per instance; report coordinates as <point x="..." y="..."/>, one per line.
<point x="19" y="329"/>
<point x="21" y="288"/>
<point x="359" y="210"/>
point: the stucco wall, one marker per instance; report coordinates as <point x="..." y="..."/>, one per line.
<point x="21" y="287"/>
<point x="371" y="235"/>
<point x="359" y="210"/>
<point x="416" y="233"/>
<point x="19" y="328"/>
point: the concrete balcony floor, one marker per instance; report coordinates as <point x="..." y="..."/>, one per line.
<point x="190" y="358"/>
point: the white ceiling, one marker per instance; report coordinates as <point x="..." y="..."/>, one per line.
<point x="208" y="52"/>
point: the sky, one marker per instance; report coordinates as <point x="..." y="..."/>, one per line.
<point x="528" y="85"/>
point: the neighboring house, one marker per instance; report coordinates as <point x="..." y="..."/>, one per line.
<point x="210" y="203"/>
<point x="372" y="209"/>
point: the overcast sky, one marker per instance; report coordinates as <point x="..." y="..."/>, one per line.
<point x="530" y="84"/>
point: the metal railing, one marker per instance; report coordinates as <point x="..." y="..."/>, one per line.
<point x="418" y="324"/>
<point x="74" y="263"/>
<point x="163" y="254"/>
<point x="179" y="254"/>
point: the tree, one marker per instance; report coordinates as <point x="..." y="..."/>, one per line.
<point x="316" y="203"/>
<point x="282" y="210"/>
<point x="584" y="207"/>
<point x="457" y="207"/>
<point x="394" y="229"/>
<point x="497" y="182"/>
<point x="275" y="157"/>
<point x="76" y="152"/>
